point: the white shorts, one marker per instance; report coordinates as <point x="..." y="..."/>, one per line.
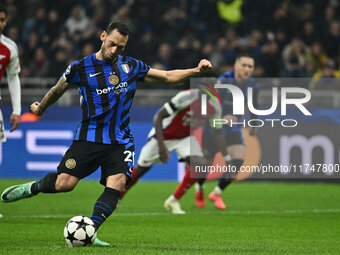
<point x="185" y="147"/>
<point x="2" y="129"/>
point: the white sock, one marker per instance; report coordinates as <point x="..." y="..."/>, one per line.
<point x="172" y="198"/>
<point x="217" y="190"/>
<point x="198" y="187"/>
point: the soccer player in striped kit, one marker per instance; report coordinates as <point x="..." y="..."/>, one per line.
<point x="235" y="146"/>
<point x="107" y="84"/>
<point x="9" y="62"/>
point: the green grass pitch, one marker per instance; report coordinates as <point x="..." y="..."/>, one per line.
<point x="261" y="218"/>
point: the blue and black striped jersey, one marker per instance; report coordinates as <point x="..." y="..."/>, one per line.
<point x="227" y="99"/>
<point x="106" y="92"/>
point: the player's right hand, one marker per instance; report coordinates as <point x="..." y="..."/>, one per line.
<point x="35" y="109"/>
<point x="164" y="154"/>
<point x="14" y="122"/>
<point x="204" y="65"/>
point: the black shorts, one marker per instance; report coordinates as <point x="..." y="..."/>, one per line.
<point x="83" y="158"/>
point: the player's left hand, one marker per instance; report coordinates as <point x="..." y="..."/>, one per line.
<point x="252" y="131"/>
<point x="204" y="65"/>
<point x="14" y="122"/>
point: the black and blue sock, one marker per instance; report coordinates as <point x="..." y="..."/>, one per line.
<point x="104" y="206"/>
<point x="224" y="182"/>
<point x="45" y="185"/>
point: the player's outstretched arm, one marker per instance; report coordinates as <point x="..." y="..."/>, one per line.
<point x="51" y="97"/>
<point x="176" y="76"/>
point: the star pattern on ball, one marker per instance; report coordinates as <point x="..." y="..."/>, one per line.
<point x="71" y="237"/>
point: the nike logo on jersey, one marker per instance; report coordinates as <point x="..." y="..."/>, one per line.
<point x="94" y="74"/>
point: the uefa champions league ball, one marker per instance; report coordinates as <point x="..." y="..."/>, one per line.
<point x="80" y="231"/>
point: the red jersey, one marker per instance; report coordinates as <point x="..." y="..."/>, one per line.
<point x="185" y="114"/>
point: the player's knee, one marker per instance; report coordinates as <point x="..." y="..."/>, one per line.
<point x="121" y="181"/>
<point x="65" y="183"/>
<point x="116" y="182"/>
<point x="64" y="186"/>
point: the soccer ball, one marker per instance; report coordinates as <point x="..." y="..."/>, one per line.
<point x="80" y="231"/>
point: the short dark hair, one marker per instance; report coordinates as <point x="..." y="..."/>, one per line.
<point x="3" y="9"/>
<point x="244" y="55"/>
<point x="120" y="25"/>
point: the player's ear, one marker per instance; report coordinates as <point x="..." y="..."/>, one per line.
<point x="103" y="36"/>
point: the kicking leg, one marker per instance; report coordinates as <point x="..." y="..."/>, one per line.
<point x="237" y="153"/>
<point x="107" y="202"/>
<point x="51" y="183"/>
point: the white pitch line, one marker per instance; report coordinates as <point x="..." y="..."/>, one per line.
<point x="226" y="213"/>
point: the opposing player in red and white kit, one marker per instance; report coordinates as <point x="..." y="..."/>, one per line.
<point x="9" y="62"/>
<point x="172" y="132"/>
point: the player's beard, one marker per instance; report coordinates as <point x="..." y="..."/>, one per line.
<point x="104" y="53"/>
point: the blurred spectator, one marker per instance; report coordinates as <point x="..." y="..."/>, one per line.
<point x="12" y="14"/>
<point x="38" y="24"/>
<point x="30" y="47"/>
<point x="40" y="64"/>
<point x="99" y="17"/>
<point x="282" y="19"/>
<point x="332" y="40"/>
<point x="325" y="79"/>
<point x="188" y="51"/>
<point x="294" y="56"/>
<point x="78" y="22"/>
<point x="58" y="65"/>
<point x="146" y="48"/>
<point x="208" y="49"/>
<point x="326" y="21"/>
<point x="270" y="59"/>
<point x="310" y="68"/>
<point x="304" y="14"/>
<point x="309" y="34"/>
<point x="281" y="38"/>
<point x="53" y="25"/>
<point x="217" y="56"/>
<point x="295" y="69"/>
<point x="165" y="56"/>
<point x="317" y="56"/>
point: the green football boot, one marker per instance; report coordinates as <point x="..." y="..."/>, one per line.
<point x="97" y="242"/>
<point x="17" y="192"/>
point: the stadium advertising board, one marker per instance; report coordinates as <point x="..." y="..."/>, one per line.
<point x="294" y="141"/>
<point x="36" y="148"/>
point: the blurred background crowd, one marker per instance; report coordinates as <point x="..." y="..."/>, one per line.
<point x="296" y="38"/>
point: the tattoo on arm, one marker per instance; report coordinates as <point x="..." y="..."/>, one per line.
<point x="54" y="94"/>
